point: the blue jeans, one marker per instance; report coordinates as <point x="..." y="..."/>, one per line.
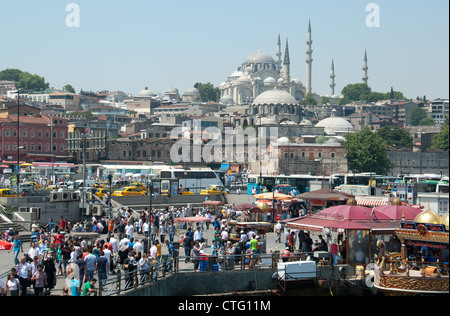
<point x="16" y="259"/>
<point x="90" y="274"/>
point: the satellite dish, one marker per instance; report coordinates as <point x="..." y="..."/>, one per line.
<point x="371" y="271"/>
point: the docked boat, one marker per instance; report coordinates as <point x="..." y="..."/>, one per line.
<point x="421" y="268"/>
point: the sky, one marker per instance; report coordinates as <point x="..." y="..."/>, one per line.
<point x="129" y="45"/>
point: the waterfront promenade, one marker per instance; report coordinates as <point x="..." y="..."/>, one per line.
<point x="7" y="259"/>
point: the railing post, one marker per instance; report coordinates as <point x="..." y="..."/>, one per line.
<point x="119" y="281"/>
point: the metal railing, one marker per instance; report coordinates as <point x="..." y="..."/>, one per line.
<point x="124" y="281"/>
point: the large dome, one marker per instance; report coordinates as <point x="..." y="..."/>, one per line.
<point x="275" y="97"/>
<point x="259" y="58"/>
<point x="336" y="125"/>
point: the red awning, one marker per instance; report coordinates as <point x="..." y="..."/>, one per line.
<point x="194" y="219"/>
<point x="318" y="224"/>
<point x="372" y="202"/>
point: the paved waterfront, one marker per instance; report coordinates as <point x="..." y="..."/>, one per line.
<point x="7" y="259"/>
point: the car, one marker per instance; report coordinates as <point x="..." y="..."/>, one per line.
<point x="128" y="191"/>
<point x="214" y="190"/>
<point x="186" y="191"/>
<point x="27" y="186"/>
<point x="100" y="192"/>
<point x="36" y="186"/>
<point x="7" y="193"/>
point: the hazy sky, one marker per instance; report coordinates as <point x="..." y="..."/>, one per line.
<point x="128" y="45"/>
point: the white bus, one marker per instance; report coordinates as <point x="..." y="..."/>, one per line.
<point x="194" y="180"/>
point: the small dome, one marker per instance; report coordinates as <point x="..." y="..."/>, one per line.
<point x="263" y="206"/>
<point x="396" y="201"/>
<point x="227" y="100"/>
<point x="269" y="80"/>
<point x="336" y="125"/>
<point x="306" y="122"/>
<point x="428" y="217"/>
<point x="145" y="93"/>
<point x="297" y="81"/>
<point x="351" y="201"/>
<point x="444" y="221"/>
<point x="244" y="79"/>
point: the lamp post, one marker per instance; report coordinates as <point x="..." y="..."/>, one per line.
<point x="18" y="142"/>
<point x="51" y="147"/>
<point x="150" y="192"/>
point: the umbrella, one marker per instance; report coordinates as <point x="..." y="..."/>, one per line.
<point x="272" y="196"/>
<point x="352" y="212"/>
<point x="193" y="219"/>
<point x="396" y="212"/>
<point x="246" y="207"/>
<point x="4" y="245"/>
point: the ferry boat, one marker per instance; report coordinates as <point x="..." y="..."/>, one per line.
<point x="422" y="266"/>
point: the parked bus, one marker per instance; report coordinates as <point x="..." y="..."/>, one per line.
<point x="300" y="182"/>
<point x="194" y="180"/>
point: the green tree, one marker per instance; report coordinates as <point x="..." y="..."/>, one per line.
<point x="24" y="80"/>
<point x="396" y="137"/>
<point x="366" y="152"/>
<point x="309" y="100"/>
<point x="207" y="92"/>
<point x="427" y="122"/>
<point x="417" y="114"/>
<point x="440" y="140"/>
<point x="32" y="82"/>
<point x="10" y="74"/>
<point x="69" y="88"/>
<point x="356" y="92"/>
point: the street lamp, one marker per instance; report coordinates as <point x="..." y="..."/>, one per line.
<point x="150" y="192"/>
<point x="51" y="147"/>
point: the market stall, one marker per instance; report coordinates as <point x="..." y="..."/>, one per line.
<point x="320" y="199"/>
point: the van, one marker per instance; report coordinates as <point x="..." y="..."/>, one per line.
<point x="79" y="183"/>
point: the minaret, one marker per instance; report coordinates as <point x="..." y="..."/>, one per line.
<point x="279" y="53"/>
<point x="365" y="68"/>
<point x="332" y="76"/>
<point x="286" y="65"/>
<point x="309" y="60"/>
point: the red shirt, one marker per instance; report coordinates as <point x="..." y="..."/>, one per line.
<point x="59" y="238"/>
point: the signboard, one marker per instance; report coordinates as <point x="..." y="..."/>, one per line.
<point x="16" y="169"/>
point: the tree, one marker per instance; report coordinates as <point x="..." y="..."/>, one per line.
<point x="366" y="152"/>
<point x="356" y="92"/>
<point x="417" y="114"/>
<point x="440" y="140"/>
<point x="396" y="137"/>
<point x="207" y="92"/>
<point x="32" y="82"/>
<point x="309" y="100"/>
<point x="427" y="122"/>
<point x="24" y="80"/>
<point x="10" y="74"/>
<point x="69" y="88"/>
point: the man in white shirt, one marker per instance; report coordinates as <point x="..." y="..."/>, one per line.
<point x="24" y="269"/>
<point x="198" y="234"/>
<point x="129" y="230"/>
<point x="153" y="251"/>
<point x="138" y="247"/>
<point x="107" y="254"/>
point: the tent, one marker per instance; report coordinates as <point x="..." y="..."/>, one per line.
<point x="396" y="212"/>
<point x="352" y="212"/>
<point x="272" y="196"/>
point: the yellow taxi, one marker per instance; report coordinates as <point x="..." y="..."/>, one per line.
<point x="36" y="186"/>
<point x="7" y="193"/>
<point x="101" y="192"/>
<point x="214" y="190"/>
<point x="128" y="191"/>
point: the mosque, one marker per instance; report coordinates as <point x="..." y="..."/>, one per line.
<point x="264" y="86"/>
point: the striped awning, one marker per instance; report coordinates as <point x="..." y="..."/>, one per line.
<point x="372" y="202"/>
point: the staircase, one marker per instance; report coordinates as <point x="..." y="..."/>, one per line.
<point x="6" y="223"/>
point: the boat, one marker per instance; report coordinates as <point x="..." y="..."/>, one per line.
<point x="421" y="268"/>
